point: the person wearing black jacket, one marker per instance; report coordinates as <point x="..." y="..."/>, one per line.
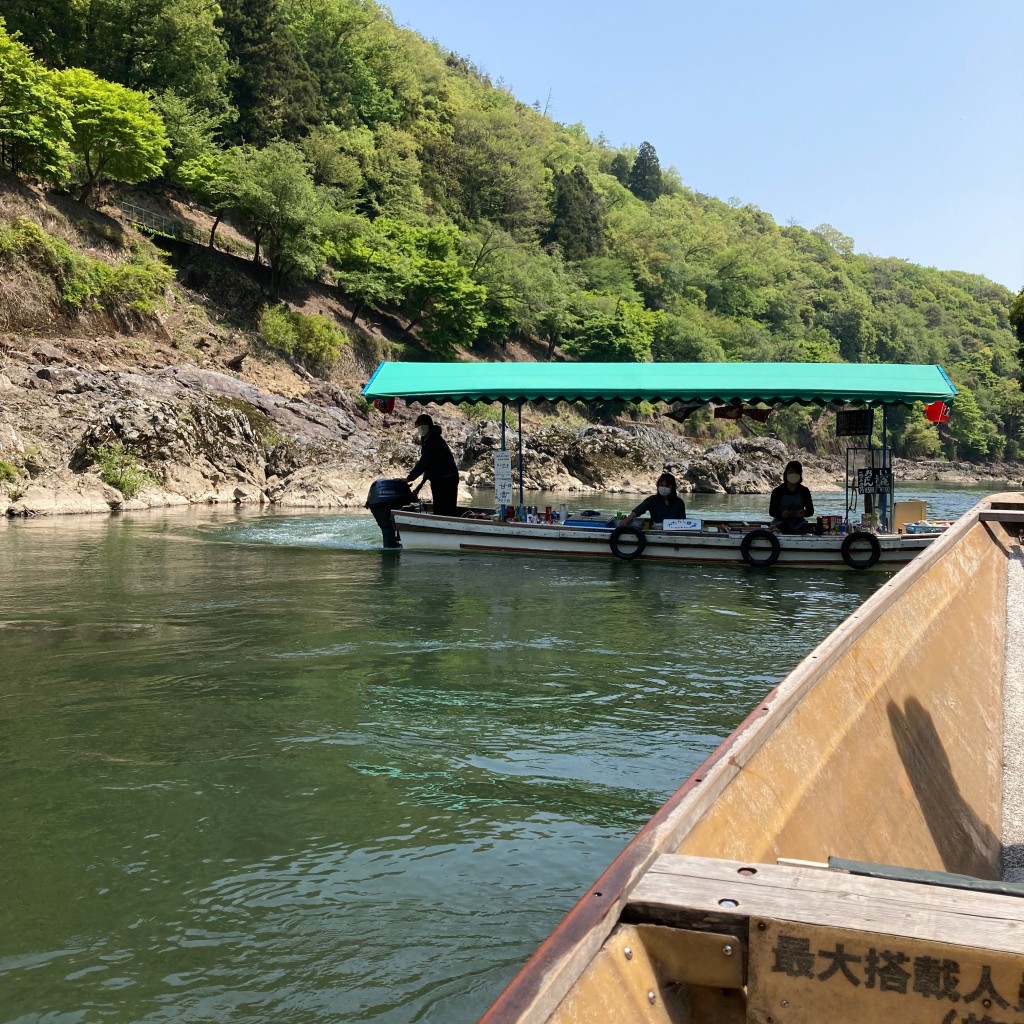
<point x="436" y="464"/>
<point x="666" y="504"/>
<point x="790" y="503"/>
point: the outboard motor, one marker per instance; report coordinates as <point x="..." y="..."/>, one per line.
<point x="384" y="497"/>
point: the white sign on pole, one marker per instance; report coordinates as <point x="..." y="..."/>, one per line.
<point x="503" y="492"/>
<point x="503" y="478"/>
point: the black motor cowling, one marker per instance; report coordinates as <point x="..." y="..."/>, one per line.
<point x="383" y="497"/>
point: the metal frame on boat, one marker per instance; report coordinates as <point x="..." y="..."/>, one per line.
<point x="731" y="384"/>
<point x="848" y="853"/>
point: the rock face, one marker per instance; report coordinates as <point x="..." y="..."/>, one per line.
<point x="203" y="435"/>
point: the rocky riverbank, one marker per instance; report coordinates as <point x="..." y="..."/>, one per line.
<point x="246" y="430"/>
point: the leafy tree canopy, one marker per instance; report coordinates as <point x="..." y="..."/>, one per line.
<point x="115" y="133"/>
<point x="34" y="124"/>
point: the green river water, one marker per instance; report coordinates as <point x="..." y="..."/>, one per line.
<point x="252" y="768"/>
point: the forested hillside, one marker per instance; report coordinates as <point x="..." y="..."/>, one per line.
<point x="352" y="152"/>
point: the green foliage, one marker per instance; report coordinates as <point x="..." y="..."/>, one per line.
<point x="135" y="286"/>
<point x="8" y="472"/>
<point x="116" y="134"/>
<point x="274" y="91"/>
<point x="146" y="45"/>
<point x="919" y="439"/>
<point x="577" y="220"/>
<point x="345" y="146"/>
<point x="420" y="270"/>
<point x="346" y="47"/>
<point x="619" y="168"/>
<point x="481" y="411"/>
<point x="645" y="174"/>
<point x="271" y="194"/>
<point x="192" y="130"/>
<point x="34" y="123"/>
<point x="607" y="329"/>
<point x="972" y="437"/>
<point x="313" y="341"/>
<point x="1016" y="317"/>
<point x="120" y="468"/>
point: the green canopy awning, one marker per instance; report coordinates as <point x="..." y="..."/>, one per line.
<point x="771" y="383"/>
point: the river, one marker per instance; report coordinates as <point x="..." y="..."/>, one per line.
<point x="253" y="768"/>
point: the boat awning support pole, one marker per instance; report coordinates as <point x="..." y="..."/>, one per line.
<point x="520" y="410"/>
<point x="887" y="500"/>
<point x="504" y="407"/>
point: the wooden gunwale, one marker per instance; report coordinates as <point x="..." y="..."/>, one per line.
<point x="548" y="976"/>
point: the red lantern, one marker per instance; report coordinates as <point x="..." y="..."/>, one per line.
<point x="937" y="412"/>
<point x="384" y="404"/>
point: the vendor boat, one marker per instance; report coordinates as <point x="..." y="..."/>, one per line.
<point x="876" y="541"/>
<point x="853" y="851"/>
<point x="723" y="542"/>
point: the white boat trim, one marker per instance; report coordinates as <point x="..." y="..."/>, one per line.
<point x="719" y="544"/>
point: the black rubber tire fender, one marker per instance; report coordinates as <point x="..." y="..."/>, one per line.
<point x="856" y="540"/>
<point x="618" y="533"/>
<point x="755" y="535"/>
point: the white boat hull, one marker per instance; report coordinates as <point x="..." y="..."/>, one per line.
<point x="422" y="531"/>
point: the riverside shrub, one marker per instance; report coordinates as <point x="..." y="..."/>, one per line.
<point x="313" y="341"/>
<point x="137" y="285"/>
<point x="119" y="468"/>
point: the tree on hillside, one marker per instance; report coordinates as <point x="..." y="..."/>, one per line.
<point x="192" y="129"/>
<point x="607" y="329"/>
<point x="843" y="244"/>
<point x="274" y="91"/>
<point x="331" y="164"/>
<point x="52" y="28"/>
<point x="497" y="175"/>
<point x="349" y="47"/>
<point x="619" y="168"/>
<point x="441" y="298"/>
<point x="211" y="178"/>
<point x="577" y="220"/>
<point x="115" y="133"/>
<point x="971" y="436"/>
<point x="645" y="174"/>
<point x="365" y="263"/>
<point x="148" y="45"/>
<point x="34" y="124"/>
<point x="274" y="198"/>
<point x="271" y="194"/>
<point x="1017" y="322"/>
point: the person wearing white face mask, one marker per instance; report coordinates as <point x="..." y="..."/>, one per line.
<point x="666" y="504"/>
<point x="790" y="503"/>
<point x="436" y="464"/>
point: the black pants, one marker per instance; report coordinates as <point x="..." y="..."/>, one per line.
<point x="446" y="495"/>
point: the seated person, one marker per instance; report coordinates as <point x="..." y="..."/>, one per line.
<point x="790" y="503"/>
<point x="666" y="504"/>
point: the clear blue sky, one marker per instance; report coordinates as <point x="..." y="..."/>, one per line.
<point x="900" y="123"/>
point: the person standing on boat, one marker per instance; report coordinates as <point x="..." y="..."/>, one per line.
<point x="436" y="464"/>
<point x="790" y="503"/>
<point x="666" y="504"/>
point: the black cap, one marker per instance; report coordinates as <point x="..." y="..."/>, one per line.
<point x="423" y="420"/>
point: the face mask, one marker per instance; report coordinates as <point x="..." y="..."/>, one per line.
<point x="422" y="431"/>
<point x="664" y="491"/>
<point x="793" y="478"/>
